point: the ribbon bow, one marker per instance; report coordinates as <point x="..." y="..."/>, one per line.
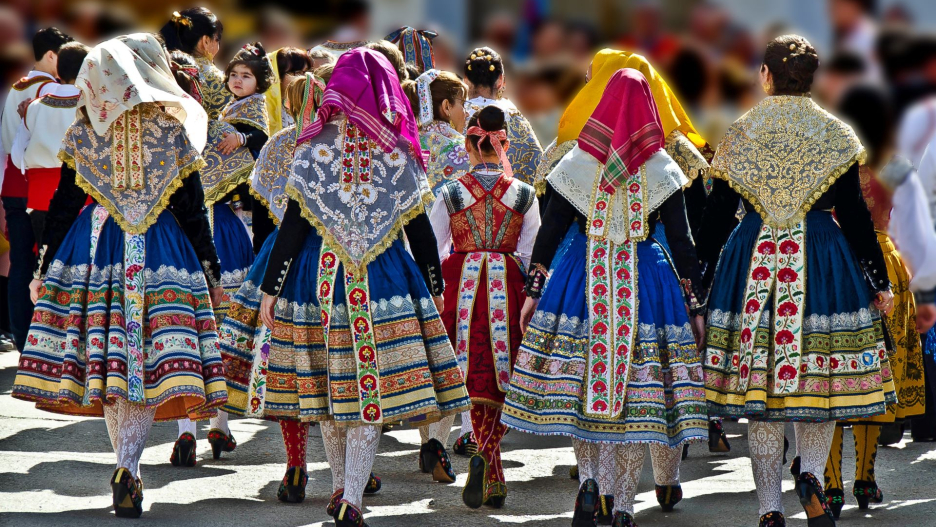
<point x="496" y="138"/>
<point x="425" y="95"/>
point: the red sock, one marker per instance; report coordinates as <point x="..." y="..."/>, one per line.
<point x="488" y="431"/>
<point x="295" y="435"/>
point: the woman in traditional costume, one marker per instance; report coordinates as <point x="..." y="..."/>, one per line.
<point x="288" y="64"/>
<point x="868" y="110"/>
<point x="794" y="330"/>
<point x="123" y="326"/>
<point x="610" y="355"/>
<point x="485" y="223"/>
<point x="342" y="294"/>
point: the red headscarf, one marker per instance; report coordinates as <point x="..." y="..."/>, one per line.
<point x="365" y="87"/>
<point x="625" y="129"/>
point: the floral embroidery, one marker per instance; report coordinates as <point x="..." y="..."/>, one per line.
<point x="258" y="375"/>
<point x="497" y="313"/>
<point x="134" y="291"/>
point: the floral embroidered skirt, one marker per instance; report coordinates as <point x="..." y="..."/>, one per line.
<point x="844" y="372"/>
<point x="291" y="375"/>
<point x="235" y="251"/>
<point x="77" y="354"/>
<point x="481" y="377"/>
<point x="665" y="399"/>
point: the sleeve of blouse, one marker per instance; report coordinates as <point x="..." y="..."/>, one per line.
<point x="695" y="204"/>
<point x="531" y="224"/>
<point x="289" y="242"/>
<point x="262" y="225"/>
<point x="557" y="218"/>
<point x="188" y="207"/>
<point x="425" y="251"/>
<point x="719" y="220"/>
<point x="673" y="215"/>
<point x="255" y="138"/>
<point x="911" y="228"/>
<point x="64" y="209"/>
<point x="858" y="227"/>
<point x="441" y="227"/>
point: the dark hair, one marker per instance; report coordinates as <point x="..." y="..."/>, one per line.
<point x="412" y="72"/>
<point x="490" y="119"/>
<point x="393" y="54"/>
<point x="182" y="59"/>
<point x="49" y="39"/>
<point x="483" y="67"/>
<point x="846" y="63"/>
<point x="70" y="57"/>
<point x="254" y="57"/>
<point x="351" y="9"/>
<point x="324" y="71"/>
<point x="689" y="75"/>
<point x="868" y="6"/>
<point x="188" y="26"/>
<point x="792" y="61"/>
<point x="868" y="109"/>
<point x="292" y="60"/>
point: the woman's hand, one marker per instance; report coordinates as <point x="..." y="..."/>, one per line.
<point x="229" y="143"/>
<point x="439" y="302"/>
<point x="885" y="302"/>
<point x="217" y="295"/>
<point x="698" y="330"/>
<point x="34" y="288"/>
<point x="526" y="313"/>
<point x="266" y="310"/>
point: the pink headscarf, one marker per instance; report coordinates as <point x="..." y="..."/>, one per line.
<point x="365" y="87"/>
<point x="625" y="128"/>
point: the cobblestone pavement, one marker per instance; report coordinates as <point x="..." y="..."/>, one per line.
<point x="54" y="471"/>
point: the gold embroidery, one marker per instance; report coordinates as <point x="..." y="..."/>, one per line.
<point x="215" y="95"/>
<point x="686" y="155"/>
<point x="548" y="162"/>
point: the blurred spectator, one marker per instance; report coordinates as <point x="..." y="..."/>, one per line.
<point x="898" y="14"/>
<point x="647" y="34"/>
<point x="353" y="21"/>
<point x="542" y="91"/>
<point x="855" y="31"/>
<point x="549" y="39"/>
<point x="275" y="29"/>
<point x="843" y="70"/>
<point x="499" y="31"/>
<point x="581" y="40"/>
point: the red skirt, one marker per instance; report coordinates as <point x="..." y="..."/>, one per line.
<point x="481" y="379"/>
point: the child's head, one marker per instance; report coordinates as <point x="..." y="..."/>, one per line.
<point x="291" y="63"/>
<point x="185" y="71"/>
<point x="70" y="57"/>
<point x="249" y="72"/>
<point x="490" y="119"/>
<point x="393" y="54"/>
<point x="46" y="45"/>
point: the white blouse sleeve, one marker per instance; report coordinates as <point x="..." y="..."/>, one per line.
<point x="911" y="227"/>
<point x="531" y="225"/>
<point x="20" y="142"/>
<point x="441" y="227"/>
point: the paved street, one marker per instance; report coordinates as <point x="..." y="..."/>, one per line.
<point x="54" y="471"/>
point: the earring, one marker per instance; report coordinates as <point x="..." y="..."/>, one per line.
<point x="767" y="87"/>
<point x="500" y="91"/>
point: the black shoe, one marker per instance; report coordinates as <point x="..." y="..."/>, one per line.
<point x="333" y="502"/>
<point x="183" y="452"/>
<point x="772" y="519"/>
<point x="794" y="466"/>
<point x="623" y="519"/>
<point x="473" y="494"/>
<point x="891" y="434"/>
<point x="434" y="459"/>
<point x="786" y="448"/>
<point x="573" y="472"/>
<point x="292" y="488"/>
<point x="220" y="442"/>
<point x="465" y="445"/>
<point x="867" y="492"/>
<point x="836" y="499"/>
<point x="814" y="501"/>
<point x="347" y="515"/>
<point x="495" y="494"/>
<point x="685" y="451"/>
<point x="717" y="440"/>
<point x="668" y="496"/>
<point x="586" y="505"/>
<point x="373" y="484"/>
<point x="605" y="509"/>
<point x="127" y="494"/>
<point x="6" y="343"/>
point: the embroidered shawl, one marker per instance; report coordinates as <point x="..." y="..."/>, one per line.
<point x="448" y="159"/>
<point x="156" y="151"/>
<point x="215" y="95"/>
<point x="271" y="172"/>
<point x="223" y="173"/>
<point x="783" y="154"/>
<point x="687" y="156"/>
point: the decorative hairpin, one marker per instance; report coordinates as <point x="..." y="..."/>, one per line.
<point x="252" y="49"/>
<point x="178" y="18"/>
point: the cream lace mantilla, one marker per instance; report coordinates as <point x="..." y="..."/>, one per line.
<point x="576" y="174"/>
<point x="783" y="154"/>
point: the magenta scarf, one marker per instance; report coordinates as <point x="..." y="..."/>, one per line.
<point x="365" y="87"/>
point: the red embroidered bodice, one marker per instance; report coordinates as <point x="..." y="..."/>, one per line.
<point x="486" y="220"/>
<point x="877" y="198"/>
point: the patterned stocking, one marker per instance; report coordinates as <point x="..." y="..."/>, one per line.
<point x="361" y="450"/>
<point x="187" y="426"/>
<point x="813" y="442"/>
<point x="630" y="459"/>
<point x="833" y="467"/>
<point x="439" y="430"/>
<point x="765" y="440"/>
<point x="335" y="438"/>
<point x="220" y="422"/>
<point x="866" y="445"/>
<point x="665" y="464"/>
<point x="132" y="425"/>
<point x="586" y="454"/>
<point x="607" y="469"/>
<point x="110" y="420"/>
<point x="488" y="430"/>
<point x="295" y="437"/>
<point x="466" y="423"/>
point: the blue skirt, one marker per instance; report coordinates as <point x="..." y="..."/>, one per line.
<point x="235" y="251"/>
<point x="665" y="397"/>
<point x="76" y="356"/>
<point x="844" y="372"/>
<point x="301" y="379"/>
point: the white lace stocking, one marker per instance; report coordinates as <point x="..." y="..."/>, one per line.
<point x="607" y="469"/>
<point x="813" y="442"/>
<point x="335" y="438"/>
<point x="630" y="459"/>
<point x="666" y="462"/>
<point x="359" y="460"/>
<point x="439" y="430"/>
<point x="586" y="454"/>
<point x="132" y="424"/>
<point x="110" y="420"/>
<point x="765" y="441"/>
<point x="187" y="426"/>
<point x="466" y="423"/>
<point x="220" y="422"/>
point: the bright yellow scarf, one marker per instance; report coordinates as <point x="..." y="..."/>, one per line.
<point x="274" y="97"/>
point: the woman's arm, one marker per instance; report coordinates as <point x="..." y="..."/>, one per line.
<point x="531" y="225"/>
<point x="718" y="221"/>
<point x="289" y="242"/>
<point x="858" y="227"/>
<point x="425" y="251"/>
<point x="262" y="224"/>
<point x="441" y="227"/>
<point x="673" y="215"/>
<point x="557" y="218"/>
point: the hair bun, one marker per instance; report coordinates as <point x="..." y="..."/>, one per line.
<point x="491" y="118"/>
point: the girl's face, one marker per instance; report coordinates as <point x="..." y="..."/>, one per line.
<point x="242" y="82"/>
<point x="455" y="111"/>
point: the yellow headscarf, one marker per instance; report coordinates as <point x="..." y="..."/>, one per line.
<point x="605" y="63"/>
<point x="274" y="99"/>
